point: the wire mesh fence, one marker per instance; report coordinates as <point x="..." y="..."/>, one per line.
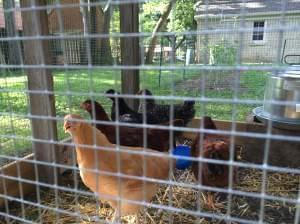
<point x="140" y="111"/>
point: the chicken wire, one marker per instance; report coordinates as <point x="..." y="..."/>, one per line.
<point x="81" y="70"/>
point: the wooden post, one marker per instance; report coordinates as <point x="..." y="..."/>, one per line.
<point x="130" y="51"/>
<point x="36" y="52"/>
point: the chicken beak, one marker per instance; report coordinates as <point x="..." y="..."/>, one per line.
<point x="82" y="106"/>
<point x="85" y="106"/>
<point x="67" y="126"/>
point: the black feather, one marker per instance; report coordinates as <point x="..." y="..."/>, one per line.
<point x="185" y="111"/>
<point x="126" y="114"/>
<point x="123" y="107"/>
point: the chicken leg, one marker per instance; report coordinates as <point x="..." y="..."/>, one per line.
<point x="211" y="201"/>
<point x="137" y="218"/>
<point x="116" y="218"/>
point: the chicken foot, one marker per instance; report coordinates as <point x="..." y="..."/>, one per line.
<point x="211" y="201"/>
<point x="117" y="219"/>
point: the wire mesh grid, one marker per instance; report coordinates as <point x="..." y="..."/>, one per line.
<point x="199" y="59"/>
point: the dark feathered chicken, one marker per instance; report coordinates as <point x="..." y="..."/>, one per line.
<point x="126" y="114"/>
<point x="214" y="147"/>
<point x="185" y="111"/>
<point x="157" y="139"/>
<point x="123" y="107"/>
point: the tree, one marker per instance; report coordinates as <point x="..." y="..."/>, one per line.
<point x="101" y="51"/>
<point x="183" y="20"/>
<point x="105" y="51"/>
<point x="151" y="12"/>
<point x="159" y="25"/>
<point x="93" y="30"/>
<point x="184" y="15"/>
<point x="100" y="48"/>
<point x="14" y="53"/>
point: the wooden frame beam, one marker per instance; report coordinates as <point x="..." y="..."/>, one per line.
<point x="24" y="168"/>
<point x="282" y="153"/>
<point x="36" y="52"/>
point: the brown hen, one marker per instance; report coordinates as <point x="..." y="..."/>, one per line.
<point x="90" y="159"/>
<point x="157" y="139"/>
<point x="214" y="147"/>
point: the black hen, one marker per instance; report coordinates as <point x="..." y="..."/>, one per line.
<point x="126" y="114"/>
<point x="157" y="139"/>
<point x="123" y="107"/>
<point x="185" y="111"/>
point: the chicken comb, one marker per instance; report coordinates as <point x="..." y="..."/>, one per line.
<point x="72" y="117"/>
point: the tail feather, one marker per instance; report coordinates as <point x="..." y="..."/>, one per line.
<point x="146" y="92"/>
<point x="208" y="123"/>
<point x="189" y="103"/>
<point x="111" y="91"/>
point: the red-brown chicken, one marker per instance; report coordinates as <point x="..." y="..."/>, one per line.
<point x="214" y="147"/>
<point x="157" y="139"/>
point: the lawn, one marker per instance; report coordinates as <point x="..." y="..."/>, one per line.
<point x="217" y="85"/>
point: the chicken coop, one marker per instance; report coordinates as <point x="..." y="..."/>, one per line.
<point x="147" y="111"/>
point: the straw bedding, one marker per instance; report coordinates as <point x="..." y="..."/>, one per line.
<point x="249" y="180"/>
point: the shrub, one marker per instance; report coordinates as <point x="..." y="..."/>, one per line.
<point x="222" y="54"/>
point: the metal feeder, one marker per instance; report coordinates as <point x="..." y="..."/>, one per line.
<point x="284" y="90"/>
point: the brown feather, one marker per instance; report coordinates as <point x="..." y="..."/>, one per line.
<point x="214" y="147"/>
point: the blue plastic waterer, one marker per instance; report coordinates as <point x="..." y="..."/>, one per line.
<point x="182" y="150"/>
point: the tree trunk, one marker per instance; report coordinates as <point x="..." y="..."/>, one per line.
<point x="14" y="51"/>
<point x="84" y="57"/>
<point x="180" y="42"/>
<point x="93" y="30"/>
<point x="173" y="53"/>
<point x="101" y="51"/>
<point x="161" y="22"/>
<point x="2" y="60"/>
<point x="105" y="51"/>
<point x="130" y="50"/>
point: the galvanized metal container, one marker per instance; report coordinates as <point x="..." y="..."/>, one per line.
<point x="283" y="87"/>
<point x="282" y="101"/>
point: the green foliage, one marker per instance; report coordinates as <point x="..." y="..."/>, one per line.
<point x="151" y="12"/>
<point x="184" y="15"/>
<point x="222" y="54"/>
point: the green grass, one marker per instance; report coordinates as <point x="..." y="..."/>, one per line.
<point x="218" y="85"/>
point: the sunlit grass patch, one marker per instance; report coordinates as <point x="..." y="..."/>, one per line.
<point x="72" y="87"/>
